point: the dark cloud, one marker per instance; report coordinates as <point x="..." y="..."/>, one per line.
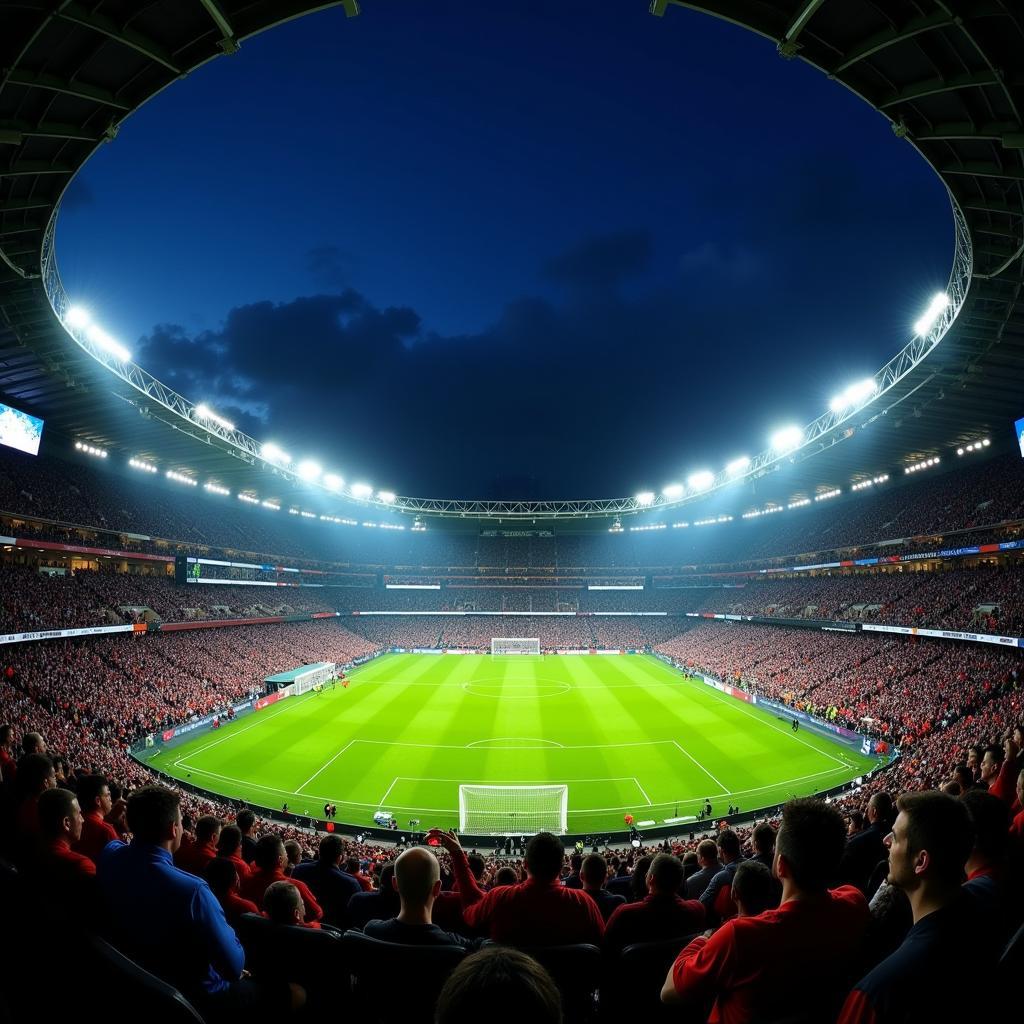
<point x="601" y="264"/>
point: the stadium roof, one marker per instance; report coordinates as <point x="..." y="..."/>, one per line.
<point x="949" y="78"/>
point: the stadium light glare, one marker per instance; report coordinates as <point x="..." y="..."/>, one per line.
<point x="926" y="322"/>
<point x="77" y="317"/>
<point x="388" y="497"/>
<point x="272" y="453"/>
<point x="309" y="470"/>
<point x="215" y="488"/>
<point x="673" y="491"/>
<point x="855" y="394"/>
<point x="645" y="498"/>
<point x="361" y="490"/>
<point x="787" y="439"/>
<point x="333" y="482"/>
<point x="180" y="478"/>
<point x="737" y="466"/>
<point x="101" y="339"/>
<point x="701" y="480"/>
<point x="146" y="467"/>
<point x="204" y="412"/>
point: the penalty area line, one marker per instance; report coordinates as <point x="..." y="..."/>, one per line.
<point x="682" y="750"/>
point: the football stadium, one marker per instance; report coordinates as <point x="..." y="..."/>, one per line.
<point x="742" y="744"/>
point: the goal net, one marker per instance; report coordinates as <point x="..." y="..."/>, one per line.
<point x="514" y="645"/>
<point x="314" y="676"/>
<point x="513" y="810"/>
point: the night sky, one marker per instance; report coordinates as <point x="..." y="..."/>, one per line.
<point x="510" y="251"/>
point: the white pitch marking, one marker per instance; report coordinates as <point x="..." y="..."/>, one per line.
<point x="323" y="766"/>
<point x="642" y="792"/>
<point x="383" y="799"/>
<point x="682" y="750"/>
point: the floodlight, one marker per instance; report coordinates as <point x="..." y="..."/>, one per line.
<point x="738" y="466"/>
<point x="645" y="498"/>
<point x="204" y="412"/>
<point x="101" y="339"/>
<point x="673" y="491"/>
<point x="935" y="307"/>
<point x="333" y="482"/>
<point x="272" y="453"/>
<point x="701" y="480"/>
<point x="854" y="394"/>
<point x="308" y="470"/>
<point x="786" y="439"/>
<point x="361" y="490"/>
<point x="77" y="316"/>
<point x="388" y="497"/>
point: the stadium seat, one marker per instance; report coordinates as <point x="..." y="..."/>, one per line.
<point x="576" y="970"/>
<point x="310" y="957"/>
<point x="634" y="978"/>
<point x="394" y="982"/>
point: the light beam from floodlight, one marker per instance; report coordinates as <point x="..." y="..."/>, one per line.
<point x="77" y="316"/>
<point x="361" y="490"/>
<point x="272" y="453"/>
<point x="333" y="482"/>
<point x="204" y="412"/>
<point x="701" y="480"/>
<point x="787" y="439"/>
<point x="854" y="394"/>
<point x="101" y="339"/>
<point x="307" y="469"/>
<point x="939" y="302"/>
<point x="737" y="466"/>
<point x="673" y="491"/>
<point x="388" y="497"/>
<point x="645" y="498"/>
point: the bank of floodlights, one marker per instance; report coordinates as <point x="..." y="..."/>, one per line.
<point x="737" y="466"/>
<point x="361" y="490"/>
<point x="645" y="498"/>
<point x="78" y="319"/>
<point x="205" y="414"/>
<point x="388" y="497"/>
<point x="855" y="395"/>
<point x="673" y="491"/>
<point x="308" y="470"/>
<point x="701" y="480"/>
<point x="931" y="315"/>
<point x="974" y="446"/>
<point x="333" y="482"/>
<point x="787" y="439"/>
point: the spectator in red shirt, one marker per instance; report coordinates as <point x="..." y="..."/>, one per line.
<point x="1017" y="827"/>
<point x="35" y="777"/>
<point x="95" y="800"/>
<point x="8" y="765"/>
<point x="282" y="903"/>
<point x="783" y="962"/>
<point x="660" y="915"/>
<point x="229" y="847"/>
<point x="195" y="857"/>
<point x="269" y="868"/>
<point x="537" y="912"/>
<point x="60" y="827"/>
<point x="222" y="877"/>
<point x="754" y="889"/>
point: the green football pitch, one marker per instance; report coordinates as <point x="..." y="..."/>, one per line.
<point x="627" y="735"/>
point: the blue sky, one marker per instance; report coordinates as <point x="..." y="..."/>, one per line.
<point x="536" y="250"/>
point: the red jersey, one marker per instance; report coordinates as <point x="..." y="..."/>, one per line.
<point x="253" y="888"/>
<point x="96" y="833"/>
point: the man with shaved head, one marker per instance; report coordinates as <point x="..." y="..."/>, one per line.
<point x="417" y="880"/>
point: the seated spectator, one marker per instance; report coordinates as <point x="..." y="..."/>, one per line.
<point x="246" y="822"/>
<point x="66" y="880"/>
<point x="866" y="849"/>
<point x="754" y="889"/>
<point x="186" y="939"/>
<point x="594" y="872"/>
<point x="763" y="838"/>
<point x="417" y="880"/>
<point x="8" y="763"/>
<point x="501" y="986"/>
<point x="269" y="868"/>
<point x="750" y="966"/>
<point x="35" y="777"/>
<point x="1017" y="827"/>
<point x="447" y="913"/>
<point x="660" y="915"/>
<point x="293" y="850"/>
<point x="195" y="857"/>
<point x="222" y="877"/>
<point x="572" y="880"/>
<point x="332" y="887"/>
<point x="631" y="885"/>
<point x="538" y="911"/>
<point x="710" y="865"/>
<point x="717" y="903"/>
<point x="988" y="870"/>
<point x="507" y="875"/>
<point x="382" y="903"/>
<point x="96" y="803"/>
<point x="229" y="847"/>
<point x="931" y="840"/>
<point x="282" y="903"/>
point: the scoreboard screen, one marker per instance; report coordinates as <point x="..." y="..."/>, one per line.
<point x="1019" y="431"/>
<point x="191" y="569"/>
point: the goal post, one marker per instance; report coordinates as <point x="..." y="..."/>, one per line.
<point x="513" y="810"/>
<point x="515" y="645"/>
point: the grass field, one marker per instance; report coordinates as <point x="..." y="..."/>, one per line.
<point x="627" y="734"/>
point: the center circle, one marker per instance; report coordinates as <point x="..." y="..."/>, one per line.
<point x="515" y="691"/>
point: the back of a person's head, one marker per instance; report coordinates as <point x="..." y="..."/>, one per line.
<point x="506" y="875"/>
<point x="416" y="873"/>
<point x="812" y="840"/>
<point x="575" y="861"/>
<point x="89" y="789"/>
<point x="990" y="818"/>
<point x="207" y="827"/>
<point x="499" y="985"/>
<point x="282" y="903"/>
<point x="352" y="865"/>
<point x="939" y="825"/>
<point x="707" y="849"/>
<point x="594" y="870"/>
<point x="269" y="849"/>
<point x="544" y="856"/>
<point x="638" y="880"/>
<point x="152" y="810"/>
<point x="229" y="841"/>
<point x="331" y="849"/>
<point x="477" y="865"/>
<point x="293" y="849"/>
<point x="33" y="771"/>
<point x="729" y="843"/>
<point x="665" y="874"/>
<point x="221" y="875"/>
<point x="882" y="805"/>
<point x="764" y="838"/>
<point x="245" y="820"/>
<point x="754" y="888"/>
<point x="33" y="743"/>
<point x="387" y="872"/>
<point x="54" y="806"/>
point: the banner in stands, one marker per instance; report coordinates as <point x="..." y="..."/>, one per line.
<point x="947" y="634"/>
<point x="526" y="614"/>
<point x="180" y="730"/>
<point x="56" y="634"/>
<point x="427" y="650"/>
<point x="31" y="542"/>
<point x="272" y="698"/>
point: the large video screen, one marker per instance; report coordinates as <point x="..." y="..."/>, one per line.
<point x="19" y="430"/>
<point x="1020" y="435"/>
